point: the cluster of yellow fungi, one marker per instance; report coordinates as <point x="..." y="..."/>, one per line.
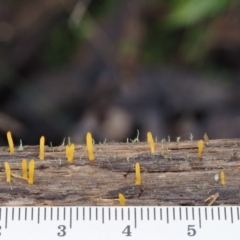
<point x="28" y="173"/>
<point x="26" y="176"/>
<point x="29" y="176"/>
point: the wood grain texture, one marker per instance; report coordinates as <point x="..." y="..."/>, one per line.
<point x="174" y="175"/>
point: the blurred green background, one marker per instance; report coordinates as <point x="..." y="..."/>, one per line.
<point x="112" y="67"/>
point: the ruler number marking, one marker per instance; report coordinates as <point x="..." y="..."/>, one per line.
<point x="191" y="231"/>
<point x="127" y="231"/>
<point x="62" y="232"/>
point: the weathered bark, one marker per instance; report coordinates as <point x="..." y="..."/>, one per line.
<point x="175" y="175"/>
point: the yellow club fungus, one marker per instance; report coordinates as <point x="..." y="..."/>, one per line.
<point x="8" y="172"/>
<point x="151" y="142"/>
<point x="122" y="200"/>
<point x="222" y="177"/>
<point x="200" y="148"/>
<point x="90" y="146"/>
<point x="10" y="142"/>
<point x="31" y="172"/>
<point x="138" y="174"/>
<point x="24" y="168"/>
<point x="70" y="152"/>
<point x="42" y="144"/>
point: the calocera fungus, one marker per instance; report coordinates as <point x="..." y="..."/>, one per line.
<point x="42" y="144"/>
<point x="70" y="152"/>
<point x="200" y="148"/>
<point x="138" y="174"/>
<point x="8" y="172"/>
<point x="122" y="200"/>
<point x="222" y="177"/>
<point x="89" y="141"/>
<point x="31" y="172"/>
<point x="151" y="142"/>
<point x="24" y="168"/>
<point x="10" y="142"/>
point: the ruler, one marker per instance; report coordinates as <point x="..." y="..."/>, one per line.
<point x="103" y="223"/>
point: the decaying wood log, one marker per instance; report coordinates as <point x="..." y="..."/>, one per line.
<point x="174" y="175"/>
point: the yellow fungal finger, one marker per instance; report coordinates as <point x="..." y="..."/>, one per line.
<point x="138" y="174"/>
<point x="10" y="142"/>
<point x="222" y="177"/>
<point x="90" y="146"/>
<point x="122" y="200"/>
<point x="70" y="152"/>
<point x="24" y="168"/>
<point x="200" y="148"/>
<point x="42" y="144"/>
<point x="151" y="142"/>
<point x="31" y="172"/>
<point x="8" y="172"/>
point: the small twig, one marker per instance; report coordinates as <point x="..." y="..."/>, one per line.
<point x="18" y="176"/>
<point x="212" y="199"/>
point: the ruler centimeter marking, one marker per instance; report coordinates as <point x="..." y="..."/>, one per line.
<point x="70" y="217"/>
